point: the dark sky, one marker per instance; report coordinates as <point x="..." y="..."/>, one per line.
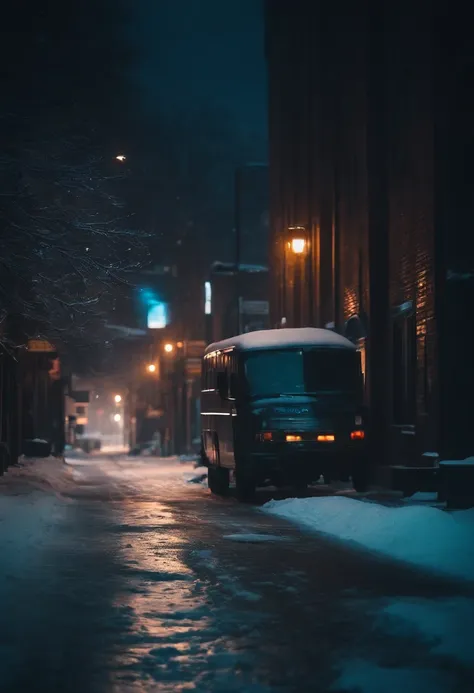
<point x="198" y="52"/>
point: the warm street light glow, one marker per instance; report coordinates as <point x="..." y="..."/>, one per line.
<point x="168" y="348"/>
<point x="151" y="368"/>
<point x="298" y="245"/>
<point x="298" y="239"/>
<point x="121" y="157"/>
<point x="180" y="345"/>
<point x="118" y="398"/>
<point x="117" y="417"/>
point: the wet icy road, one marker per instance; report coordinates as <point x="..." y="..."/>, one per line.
<point x="132" y="580"/>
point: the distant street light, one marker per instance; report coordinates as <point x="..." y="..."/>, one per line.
<point x="121" y="158"/>
<point x="118" y="399"/>
<point x="117" y="417"/>
<point x="151" y="368"/>
<point x="168" y="348"/>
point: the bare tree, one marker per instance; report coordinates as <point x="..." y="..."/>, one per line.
<point x="65" y="239"/>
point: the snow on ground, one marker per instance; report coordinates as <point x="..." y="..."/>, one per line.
<point x="254" y="538"/>
<point x="132" y="475"/>
<point x="442" y="625"/>
<point x="361" y="676"/>
<point x="427" y="537"/>
<point x="46" y="473"/>
<point x="197" y="476"/>
<point x="445" y="623"/>
<point x="29" y="522"/>
<point x="120" y="473"/>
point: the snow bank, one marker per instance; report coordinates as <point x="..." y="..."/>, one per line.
<point x="426" y="537"/>
<point x="468" y="462"/>
<point x="46" y="472"/>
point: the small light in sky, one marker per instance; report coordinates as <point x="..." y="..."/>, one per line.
<point x="121" y="157"/>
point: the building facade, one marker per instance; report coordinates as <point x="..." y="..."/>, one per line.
<point x="371" y="134"/>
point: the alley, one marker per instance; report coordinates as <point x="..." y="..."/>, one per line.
<point x="120" y="575"/>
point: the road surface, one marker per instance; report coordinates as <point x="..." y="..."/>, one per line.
<point x="125" y="578"/>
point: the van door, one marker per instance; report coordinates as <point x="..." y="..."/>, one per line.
<point x="224" y="417"/>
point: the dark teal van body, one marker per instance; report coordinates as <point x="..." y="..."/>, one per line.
<point x="283" y="407"/>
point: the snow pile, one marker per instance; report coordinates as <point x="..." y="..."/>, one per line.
<point x="468" y="462"/>
<point x="47" y="472"/>
<point x="197" y="476"/>
<point x="423" y="536"/>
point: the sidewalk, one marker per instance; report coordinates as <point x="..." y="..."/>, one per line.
<point x="46" y="474"/>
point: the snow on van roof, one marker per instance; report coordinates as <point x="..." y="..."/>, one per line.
<point x="286" y="337"/>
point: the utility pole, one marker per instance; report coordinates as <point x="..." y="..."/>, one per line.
<point x="238" y="178"/>
<point x="238" y="234"/>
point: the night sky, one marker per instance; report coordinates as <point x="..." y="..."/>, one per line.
<point x="194" y="53"/>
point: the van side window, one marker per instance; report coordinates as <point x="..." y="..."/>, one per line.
<point x="205" y="374"/>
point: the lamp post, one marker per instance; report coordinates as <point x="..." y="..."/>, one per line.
<point x="298" y="245"/>
<point x="238" y="177"/>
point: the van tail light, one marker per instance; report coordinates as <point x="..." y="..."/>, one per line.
<point x="358" y="435"/>
<point x="293" y="439"/>
<point x="264" y="436"/>
<point x="326" y="438"/>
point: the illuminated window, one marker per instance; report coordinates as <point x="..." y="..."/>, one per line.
<point x="207" y="298"/>
<point x="157" y="316"/>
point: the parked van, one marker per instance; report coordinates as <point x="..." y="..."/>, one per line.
<point x="283" y="406"/>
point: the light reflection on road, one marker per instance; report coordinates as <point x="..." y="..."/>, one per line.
<point x="177" y="635"/>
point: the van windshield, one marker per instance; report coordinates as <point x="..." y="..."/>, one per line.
<point x="297" y="371"/>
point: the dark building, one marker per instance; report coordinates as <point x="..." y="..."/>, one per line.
<point x="371" y="150"/>
<point x="235" y="304"/>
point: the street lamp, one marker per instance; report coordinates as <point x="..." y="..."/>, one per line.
<point x="117" y="418"/>
<point x="118" y="399"/>
<point x="121" y="158"/>
<point x="238" y="181"/>
<point x="151" y="368"/>
<point x="168" y="348"/>
<point x="298" y="240"/>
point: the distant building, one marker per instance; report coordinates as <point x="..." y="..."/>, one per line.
<point x="371" y="150"/>
<point x="236" y="303"/>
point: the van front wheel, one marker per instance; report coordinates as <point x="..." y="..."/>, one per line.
<point x="218" y="480"/>
<point x="245" y="485"/>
